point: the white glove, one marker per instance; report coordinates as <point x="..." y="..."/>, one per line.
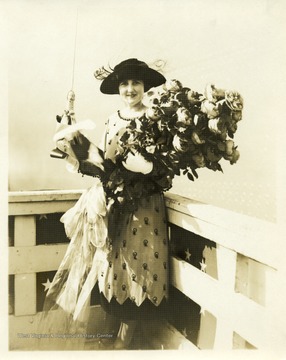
<point x="72" y="163"/>
<point x="137" y="163"/>
<point x="65" y="146"/>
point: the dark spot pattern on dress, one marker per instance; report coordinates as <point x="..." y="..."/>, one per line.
<point x="139" y="251"/>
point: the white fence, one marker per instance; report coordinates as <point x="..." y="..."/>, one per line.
<point x="239" y="287"/>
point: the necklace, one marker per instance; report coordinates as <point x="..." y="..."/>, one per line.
<point x="128" y="119"/>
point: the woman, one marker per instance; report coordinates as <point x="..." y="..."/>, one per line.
<point x="133" y="279"/>
<point x="136" y="279"/>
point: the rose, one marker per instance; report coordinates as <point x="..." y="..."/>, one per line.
<point x="170" y="107"/>
<point x="193" y="97"/>
<point x="233" y="157"/>
<point x="180" y="144"/>
<point x="234" y="100"/>
<point x="173" y="85"/>
<point x="210" y="109"/>
<point x="229" y="144"/>
<point x="232" y="127"/>
<point x="213" y="125"/>
<point x="236" y="115"/>
<point x="213" y="94"/>
<point x="184" y="116"/>
<point x="212" y="156"/>
<point x="199" y="160"/>
<point x="153" y="113"/>
<point x="152" y="98"/>
<point x="196" y="139"/>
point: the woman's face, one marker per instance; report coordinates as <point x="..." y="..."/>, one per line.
<point x="131" y="92"/>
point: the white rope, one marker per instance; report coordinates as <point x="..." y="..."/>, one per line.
<point x="74" y="53"/>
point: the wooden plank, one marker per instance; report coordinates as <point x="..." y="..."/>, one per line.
<point x="226" y="265"/>
<point x="20" y="330"/>
<point x="224" y="218"/>
<point x="223" y="335"/>
<point x="46" y="195"/>
<point x="235" y="231"/>
<point x="246" y="245"/>
<point x="162" y="335"/>
<point x="243" y="314"/>
<point x="207" y="331"/>
<point x="23" y="329"/>
<point x="32" y="259"/>
<point x="25" y="230"/>
<point x="45" y="207"/>
<point x="221" y="265"/>
<point x="256" y="281"/>
<point x="241" y="281"/>
<point x="25" y="284"/>
<point x="25" y="294"/>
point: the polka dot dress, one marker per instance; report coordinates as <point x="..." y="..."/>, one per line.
<point x="137" y="266"/>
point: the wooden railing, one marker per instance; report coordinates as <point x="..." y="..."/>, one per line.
<point x="237" y="286"/>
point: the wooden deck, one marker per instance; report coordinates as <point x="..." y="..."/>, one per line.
<point x="226" y="265"/>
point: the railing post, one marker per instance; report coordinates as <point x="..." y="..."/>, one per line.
<point x="25" y="284"/>
<point x="226" y="267"/>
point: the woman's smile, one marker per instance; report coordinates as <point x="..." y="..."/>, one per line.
<point x="132" y="92"/>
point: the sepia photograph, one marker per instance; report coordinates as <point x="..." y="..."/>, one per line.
<point x="144" y="191"/>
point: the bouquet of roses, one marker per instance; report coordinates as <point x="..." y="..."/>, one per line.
<point x="181" y="131"/>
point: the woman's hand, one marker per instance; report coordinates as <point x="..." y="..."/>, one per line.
<point x="136" y="163"/>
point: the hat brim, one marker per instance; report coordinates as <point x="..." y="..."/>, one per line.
<point x="150" y="77"/>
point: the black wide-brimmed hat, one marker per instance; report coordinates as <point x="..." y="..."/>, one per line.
<point x="129" y="70"/>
